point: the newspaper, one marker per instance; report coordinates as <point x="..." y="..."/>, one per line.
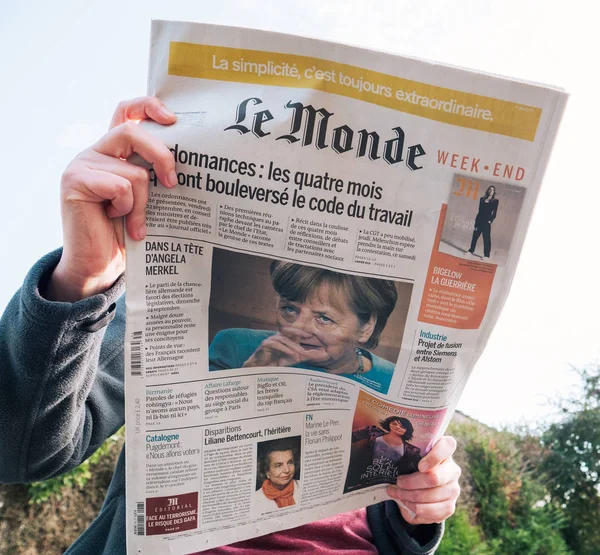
<point x="310" y="300"/>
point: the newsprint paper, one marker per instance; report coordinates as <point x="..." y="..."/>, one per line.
<point x="310" y="300"/>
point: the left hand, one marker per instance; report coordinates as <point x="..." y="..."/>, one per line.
<point x="430" y="493"/>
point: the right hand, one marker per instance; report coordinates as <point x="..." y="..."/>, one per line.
<point x="99" y="187"/>
<point x="283" y="349"/>
<point x="429" y="495"/>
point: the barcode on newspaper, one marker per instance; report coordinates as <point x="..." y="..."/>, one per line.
<point x="136" y="354"/>
<point x="140" y="520"/>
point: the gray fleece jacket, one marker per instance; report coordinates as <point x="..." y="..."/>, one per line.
<point x="62" y="395"/>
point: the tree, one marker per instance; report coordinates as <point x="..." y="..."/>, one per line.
<point x="572" y="463"/>
<point x="503" y="508"/>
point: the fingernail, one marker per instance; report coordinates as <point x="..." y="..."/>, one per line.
<point x="172" y="177"/>
<point x="142" y="231"/>
<point x="424" y="467"/>
<point x="166" y="112"/>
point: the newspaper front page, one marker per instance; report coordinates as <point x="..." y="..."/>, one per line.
<point x="310" y="300"/>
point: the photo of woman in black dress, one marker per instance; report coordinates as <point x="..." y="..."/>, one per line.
<point x="488" y="209"/>
<point x="382" y="452"/>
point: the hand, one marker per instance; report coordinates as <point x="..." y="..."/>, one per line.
<point x="431" y="493"/>
<point x="99" y="187"/>
<point x="283" y="349"/>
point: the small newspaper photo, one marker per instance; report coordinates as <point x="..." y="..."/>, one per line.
<point x="309" y="302"/>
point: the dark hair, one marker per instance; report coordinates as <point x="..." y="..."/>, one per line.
<point x="264" y="449"/>
<point x="487" y="192"/>
<point x="366" y="296"/>
<point x="385" y="424"/>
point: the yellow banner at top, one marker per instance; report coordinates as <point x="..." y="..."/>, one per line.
<point x="420" y="99"/>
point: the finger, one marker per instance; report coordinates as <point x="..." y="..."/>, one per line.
<point x="272" y="353"/>
<point x="291" y="348"/>
<point x="438" y="476"/>
<point x="294" y="333"/>
<point x="98" y="186"/>
<point x="127" y="138"/>
<point x="134" y="172"/>
<point x="426" y="495"/>
<point x="313" y="356"/>
<point x="280" y="349"/>
<point x="291" y="344"/>
<point x="139" y="178"/>
<point x="145" y="107"/>
<point x="443" y="449"/>
<point x="135" y="222"/>
<point x="284" y="340"/>
<point x="428" y="513"/>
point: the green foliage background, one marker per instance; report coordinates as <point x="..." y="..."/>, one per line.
<point x="510" y="512"/>
<point x="534" y="493"/>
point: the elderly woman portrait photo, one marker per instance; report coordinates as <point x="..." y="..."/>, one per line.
<point x="278" y="474"/>
<point x="325" y="321"/>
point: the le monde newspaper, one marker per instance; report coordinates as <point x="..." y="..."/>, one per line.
<point x="310" y="300"/>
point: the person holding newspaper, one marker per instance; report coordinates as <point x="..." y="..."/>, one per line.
<point x="61" y="363"/>
<point x="326" y="321"/>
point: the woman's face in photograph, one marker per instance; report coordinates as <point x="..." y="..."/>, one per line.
<point x="491" y="191"/>
<point x="331" y="326"/>
<point x="281" y="468"/>
<point x="397" y="428"/>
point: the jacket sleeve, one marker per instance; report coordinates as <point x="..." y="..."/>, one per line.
<point x="414" y="455"/>
<point x="61" y="378"/>
<point x="393" y="535"/>
<point x="494" y="211"/>
<point x="368" y="432"/>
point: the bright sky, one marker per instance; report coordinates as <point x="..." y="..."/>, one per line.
<point x="65" y="65"/>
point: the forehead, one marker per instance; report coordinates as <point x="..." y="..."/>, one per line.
<point x="326" y="294"/>
<point x="280" y="456"/>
